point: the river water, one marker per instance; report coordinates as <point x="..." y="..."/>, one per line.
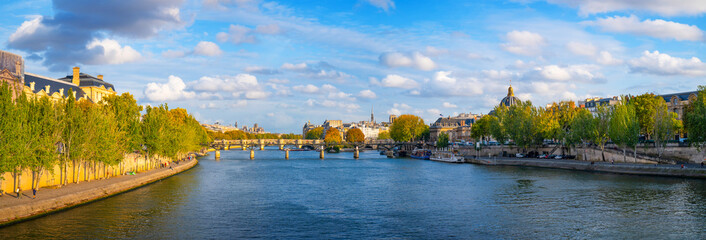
<point x="375" y="197"/>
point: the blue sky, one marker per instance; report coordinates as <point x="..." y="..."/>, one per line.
<point x="283" y="63"/>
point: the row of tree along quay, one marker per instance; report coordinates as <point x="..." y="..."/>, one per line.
<point x="636" y="119"/>
<point x="54" y="143"/>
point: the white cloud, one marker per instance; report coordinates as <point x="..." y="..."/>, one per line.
<point x="368" y="94"/>
<point x="654" y="28"/>
<point x="663" y="64"/>
<point x="583" y="73"/>
<point x="449" y="105"/>
<point x="663" y="7"/>
<point x="260" y="70"/>
<point x="605" y="58"/>
<point x="173" y="90"/>
<point x="237" y="34"/>
<point x="349" y="107"/>
<point x="382" y="4"/>
<point x="432" y="51"/>
<point x="29" y="28"/>
<point x="256" y="94"/>
<point x="582" y="49"/>
<point x="241" y="34"/>
<point x="173" y="54"/>
<point x="245" y="85"/>
<point x="444" y="84"/>
<point x="271" y="29"/>
<point x="415" y="60"/>
<point x="524" y="43"/>
<point x="397" y="81"/>
<point x="206" y="48"/>
<point x="239" y="104"/>
<point x="306" y="88"/>
<point x="294" y="67"/>
<point x="112" y="52"/>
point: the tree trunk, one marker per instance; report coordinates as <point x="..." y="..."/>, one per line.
<point x="603" y="152"/>
<point x="635" y="153"/>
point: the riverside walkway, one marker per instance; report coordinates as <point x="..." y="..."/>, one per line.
<point x="49" y="200"/>
<point x="667" y="170"/>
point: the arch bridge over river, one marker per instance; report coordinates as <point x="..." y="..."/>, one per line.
<point x="244" y="144"/>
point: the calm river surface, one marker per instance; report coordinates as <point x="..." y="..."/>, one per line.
<point x="376" y="197"/>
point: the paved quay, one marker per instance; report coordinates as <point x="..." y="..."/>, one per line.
<point x="13" y="209"/>
<point x="688" y="171"/>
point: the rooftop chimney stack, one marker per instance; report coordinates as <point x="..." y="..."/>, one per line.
<point x="100" y="77"/>
<point x="76" y="78"/>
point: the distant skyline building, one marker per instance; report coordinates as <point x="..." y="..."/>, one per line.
<point x="370" y="129"/>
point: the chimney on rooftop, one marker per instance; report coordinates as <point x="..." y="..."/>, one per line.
<point x="100" y="77"/>
<point x="76" y="78"/>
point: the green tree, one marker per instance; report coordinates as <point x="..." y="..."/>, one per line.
<point x="497" y="128"/>
<point x="519" y="124"/>
<point x="564" y="112"/>
<point x="8" y="130"/>
<point x="333" y="136"/>
<point x="443" y="140"/>
<point x="583" y="128"/>
<point x="695" y="120"/>
<point x="355" y="135"/>
<point x="408" y="128"/>
<point x="127" y="115"/>
<point x="645" y="107"/>
<point x="602" y="123"/>
<point x="384" y="135"/>
<point x="315" y="133"/>
<point x="666" y="125"/>
<point x="43" y="134"/>
<point x="480" y="130"/>
<point x="624" y="128"/>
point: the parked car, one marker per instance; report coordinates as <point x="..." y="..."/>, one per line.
<point x="543" y="156"/>
<point x="558" y="157"/>
<point x="519" y="155"/>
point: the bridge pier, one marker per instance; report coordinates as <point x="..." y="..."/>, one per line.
<point x="252" y="154"/>
<point x="356" y="154"/>
<point x="286" y="154"/>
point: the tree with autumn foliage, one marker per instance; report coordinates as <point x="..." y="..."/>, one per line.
<point x="355" y="135"/>
<point x="333" y="136"/>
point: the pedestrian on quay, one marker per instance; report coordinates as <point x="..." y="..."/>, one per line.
<point x="18" y="192"/>
<point x="34" y="193"/>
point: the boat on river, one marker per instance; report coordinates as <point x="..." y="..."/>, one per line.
<point x="421" y="154"/>
<point x="445" y="156"/>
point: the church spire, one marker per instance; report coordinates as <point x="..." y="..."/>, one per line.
<point x="510" y="93"/>
<point x="372" y="115"/>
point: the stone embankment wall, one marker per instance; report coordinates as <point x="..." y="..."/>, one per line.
<point x="52" y="177"/>
<point x="41" y="206"/>
<point x="636" y="169"/>
<point x="672" y="153"/>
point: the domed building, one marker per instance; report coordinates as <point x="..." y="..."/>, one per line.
<point x="510" y="99"/>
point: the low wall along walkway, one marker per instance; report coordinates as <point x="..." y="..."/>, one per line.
<point x="52" y="177"/>
<point x="13" y="209"/>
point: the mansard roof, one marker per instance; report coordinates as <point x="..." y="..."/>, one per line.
<point x="88" y="81"/>
<point x="54" y="85"/>
<point x="683" y="96"/>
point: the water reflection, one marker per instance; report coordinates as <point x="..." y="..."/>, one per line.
<point x="375" y="197"/>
